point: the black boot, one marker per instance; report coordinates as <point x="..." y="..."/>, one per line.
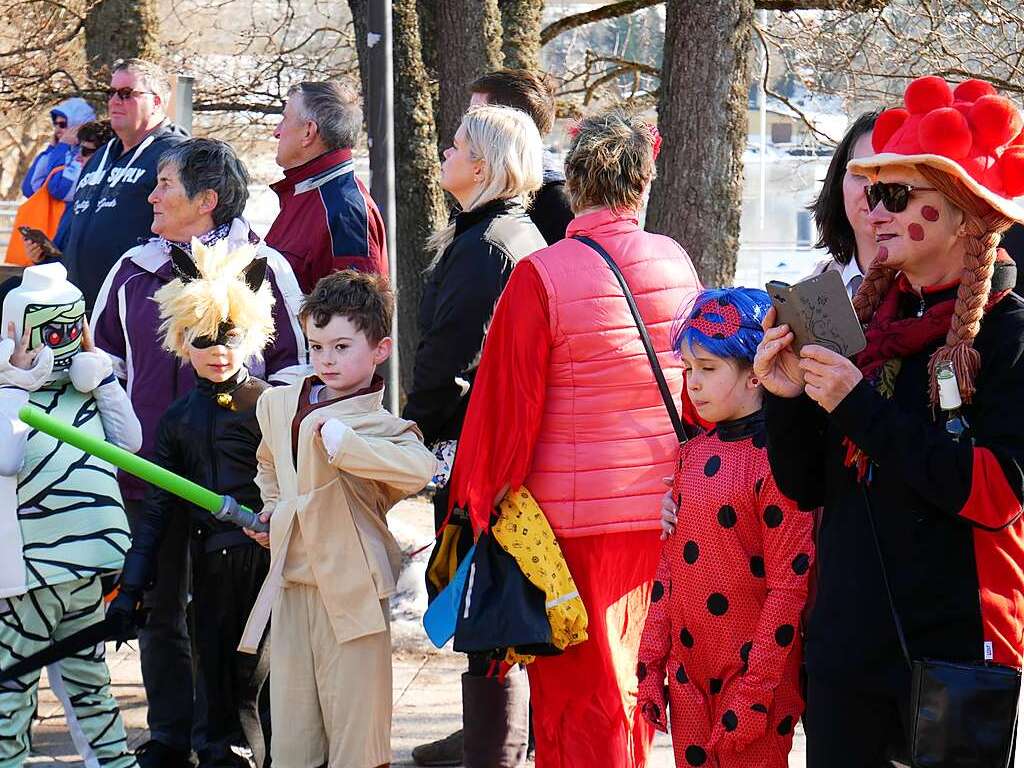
<point x="495" y="720"/>
<point x="443" y="752"/>
<point x="155" y="754"/>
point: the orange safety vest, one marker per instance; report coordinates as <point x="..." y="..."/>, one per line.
<point x="42" y="211"/>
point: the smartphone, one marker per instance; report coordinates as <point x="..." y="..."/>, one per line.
<point x="818" y="310"/>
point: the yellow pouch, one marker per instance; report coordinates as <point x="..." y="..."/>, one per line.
<point x="523" y="531"/>
<point x="445" y="559"/>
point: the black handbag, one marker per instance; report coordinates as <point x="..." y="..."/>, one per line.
<point x="962" y="714"/>
<point x="500" y="608"/>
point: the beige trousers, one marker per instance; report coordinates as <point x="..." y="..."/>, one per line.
<point x="330" y="703"/>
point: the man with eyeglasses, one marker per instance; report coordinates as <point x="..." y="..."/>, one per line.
<point x="110" y="212"/>
<point x="68" y="114"/>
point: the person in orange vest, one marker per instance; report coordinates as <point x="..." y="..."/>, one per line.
<point x="42" y="210"/>
<point x="46" y="210"/>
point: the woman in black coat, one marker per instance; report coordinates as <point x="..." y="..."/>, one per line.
<point x="492" y="169"/>
<point x="934" y="465"/>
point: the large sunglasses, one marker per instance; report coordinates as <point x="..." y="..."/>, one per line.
<point x="894" y="195"/>
<point x="124" y="93"/>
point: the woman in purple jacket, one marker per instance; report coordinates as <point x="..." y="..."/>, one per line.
<point x="200" y="193"/>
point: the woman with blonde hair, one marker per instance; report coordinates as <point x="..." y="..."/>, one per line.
<point x="492" y="169"/>
<point x="915" y="450"/>
<point x="566" y="405"/>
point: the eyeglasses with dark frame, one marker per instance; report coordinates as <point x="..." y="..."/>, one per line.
<point x="894" y="195"/>
<point x="125" y="93"/>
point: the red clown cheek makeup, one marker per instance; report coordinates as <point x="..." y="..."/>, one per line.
<point x="883" y="253"/>
<point x="916" y="232"/>
<point x="929" y="213"/>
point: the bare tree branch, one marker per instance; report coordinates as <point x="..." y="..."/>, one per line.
<point x="610" y="11"/>
<point x="858" y="6"/>
<point x="785" y="100"/>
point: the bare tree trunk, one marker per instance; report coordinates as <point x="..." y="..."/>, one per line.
<point x="120" y="29"/>
<point x="520" y="26"/>
<point x="358" y="10"/>
<point x="468" y="34"/>
<point x="427" y="11"/>
<point x="420" y="208"/>
<point x="697" y="196"/>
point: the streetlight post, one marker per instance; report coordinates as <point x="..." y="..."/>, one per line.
<point x="381" y="127"/>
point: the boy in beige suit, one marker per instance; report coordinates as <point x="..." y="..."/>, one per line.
<point x="331" y="464"/>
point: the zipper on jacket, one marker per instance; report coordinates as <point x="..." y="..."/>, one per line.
<point x="212" y="410"/>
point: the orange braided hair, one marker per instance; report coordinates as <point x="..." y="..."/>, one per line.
<point x="983" y="228"/>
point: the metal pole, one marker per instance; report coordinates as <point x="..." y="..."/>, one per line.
<point x="763" y="192"/>
<point x="183" y="101"/>
<point x="381" y="127"/>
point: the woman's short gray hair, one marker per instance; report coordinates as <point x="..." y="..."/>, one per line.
<point x="335" y="108"/>
<point x="211" y="164"/>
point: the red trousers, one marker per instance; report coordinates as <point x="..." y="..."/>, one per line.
<point x="584" y="701"/>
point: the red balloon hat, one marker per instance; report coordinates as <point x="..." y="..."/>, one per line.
<point x="969" y="132"/>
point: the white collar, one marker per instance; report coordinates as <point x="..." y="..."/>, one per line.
<point x="851" y="271"/>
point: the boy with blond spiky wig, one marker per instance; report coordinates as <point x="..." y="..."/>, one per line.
<point x="215" y="315"/>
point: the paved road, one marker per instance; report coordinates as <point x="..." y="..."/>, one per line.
<point x="427" y="706"/>
<point x="427" y="684"/>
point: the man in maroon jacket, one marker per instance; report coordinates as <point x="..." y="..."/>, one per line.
<point x="328" y="220"/>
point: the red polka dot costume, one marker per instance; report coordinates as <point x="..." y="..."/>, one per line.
<point x="726" y="605"/>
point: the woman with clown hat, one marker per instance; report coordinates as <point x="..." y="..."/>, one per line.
<point x="868" y="440"/>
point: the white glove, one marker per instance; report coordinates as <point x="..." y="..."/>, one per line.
<point x="333" y="434"/>
<point x="88" y="369"/>
<point x="29" y="379"/>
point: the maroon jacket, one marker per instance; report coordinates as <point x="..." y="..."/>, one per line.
<point x="328" y="221"/>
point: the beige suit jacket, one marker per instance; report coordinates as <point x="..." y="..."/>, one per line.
<point x="338" y="505"/>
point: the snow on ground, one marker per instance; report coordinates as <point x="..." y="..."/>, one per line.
<point x="412" y="523"/>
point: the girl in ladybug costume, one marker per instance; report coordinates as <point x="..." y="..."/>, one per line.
<point x="723" y="626"/>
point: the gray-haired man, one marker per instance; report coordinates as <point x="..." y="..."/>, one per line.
<point x="328" y="220"/>
<point x="110" y="212"/>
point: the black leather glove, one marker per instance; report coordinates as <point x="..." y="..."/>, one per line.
<point x="125" y="614"/>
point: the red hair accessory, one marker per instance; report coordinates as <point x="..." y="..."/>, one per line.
<point x="715" y="320"/>
<point x="656" y="135"/>
<point x="573" y="130"/>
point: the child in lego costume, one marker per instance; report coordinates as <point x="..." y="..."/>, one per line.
<point x="62" y="521"/>
<point x="732" y="580"/>
<point x="214" y="316"/>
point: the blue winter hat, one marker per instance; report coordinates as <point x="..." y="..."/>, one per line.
<point x="725" y="321"/>
<point x="76" y="110"/>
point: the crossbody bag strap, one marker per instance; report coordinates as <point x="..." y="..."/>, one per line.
<point x="885" y="578"/>
<point x="652" y="356"/>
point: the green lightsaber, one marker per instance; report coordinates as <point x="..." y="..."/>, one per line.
<point x="224" y="508"/>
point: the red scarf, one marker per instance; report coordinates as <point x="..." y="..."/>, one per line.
<point x="890" y="336"/>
